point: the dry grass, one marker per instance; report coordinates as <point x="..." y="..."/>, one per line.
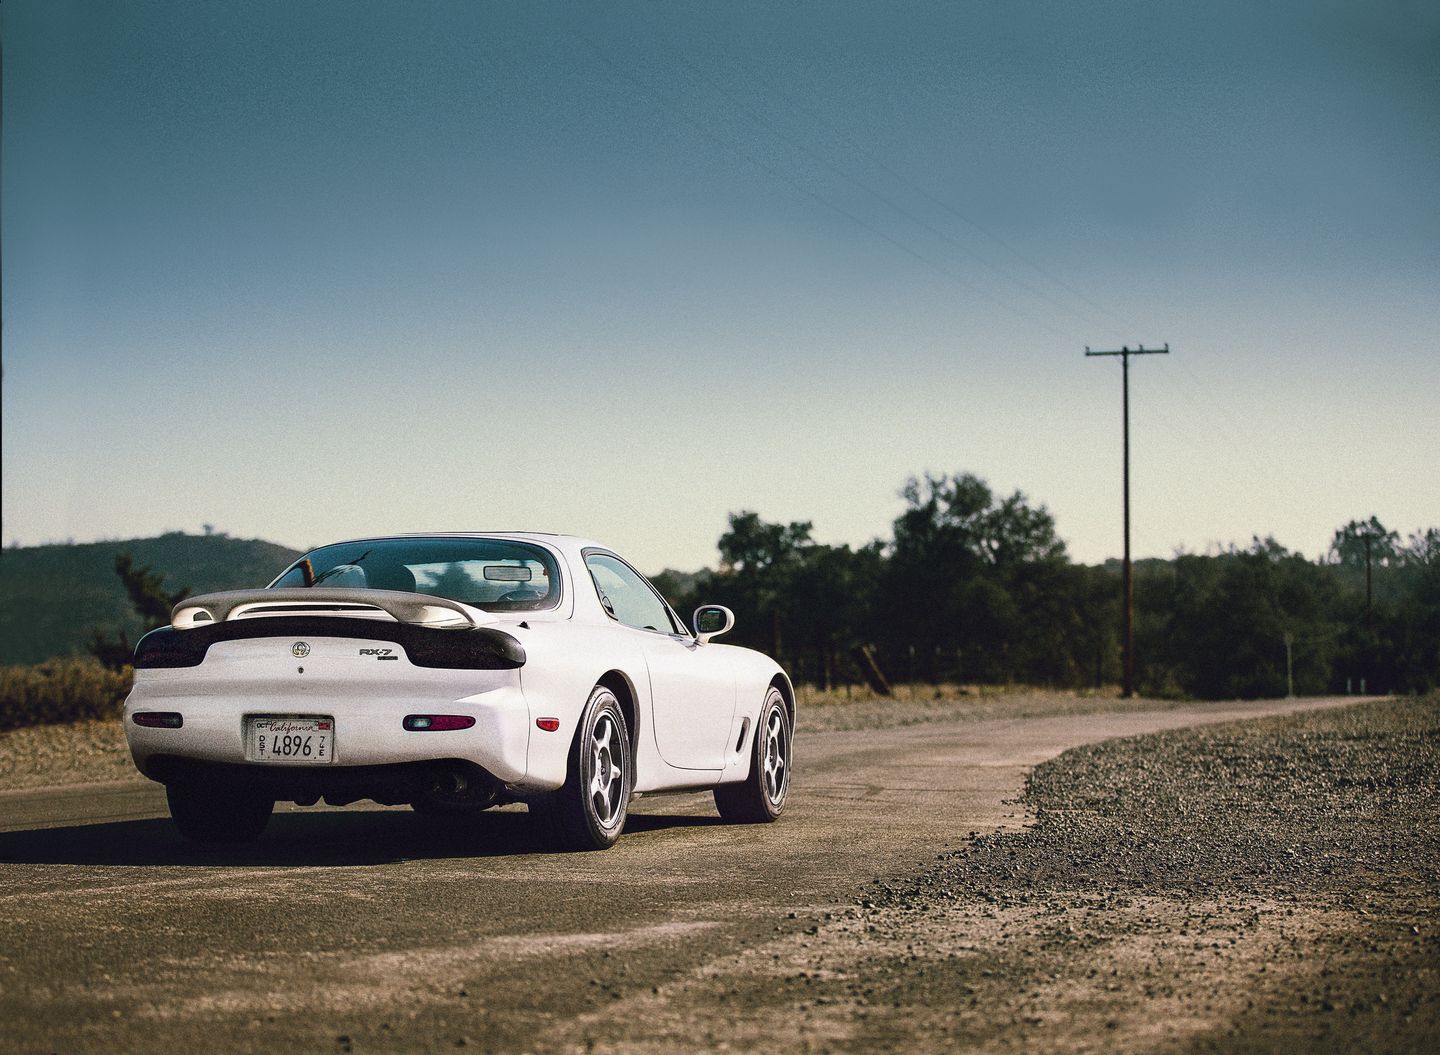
<point x="60" y="690"/>
<point x="856" y="707"/>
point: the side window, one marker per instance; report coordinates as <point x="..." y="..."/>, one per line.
<point x="626" y="596"/>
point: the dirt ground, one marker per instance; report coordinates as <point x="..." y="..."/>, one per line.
<point x="1266" y="886"/>
<point x="1034" y="877"/>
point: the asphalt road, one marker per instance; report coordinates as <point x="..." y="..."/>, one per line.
<point x="370" y="929"/>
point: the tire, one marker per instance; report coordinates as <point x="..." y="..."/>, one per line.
<point x="218" y="814"/>
<point x="760" y="797"/>
<point x="588" y="813"/>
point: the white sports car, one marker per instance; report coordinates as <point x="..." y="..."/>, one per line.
<point x="455" y="672"/>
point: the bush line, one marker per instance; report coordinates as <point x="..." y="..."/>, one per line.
<point x="60" y="690"/>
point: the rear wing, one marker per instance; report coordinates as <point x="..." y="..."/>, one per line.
<point x="417" y="609"/>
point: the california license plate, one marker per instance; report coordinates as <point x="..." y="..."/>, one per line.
<point x="304" y="740"/>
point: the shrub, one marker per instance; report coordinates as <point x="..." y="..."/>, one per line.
<point x="60" y="690"/>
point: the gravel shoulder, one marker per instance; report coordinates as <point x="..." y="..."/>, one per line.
<point x="1260" y="886"/>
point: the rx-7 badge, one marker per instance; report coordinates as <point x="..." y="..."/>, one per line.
<point x="300" y="650"/>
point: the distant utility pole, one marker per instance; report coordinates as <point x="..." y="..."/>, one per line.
<point x="1289" y="665"/>
<point x="1127" y="586"/>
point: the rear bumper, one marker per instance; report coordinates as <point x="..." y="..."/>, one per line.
<point x="368" y="735"/>
<point x="390" y="785"/>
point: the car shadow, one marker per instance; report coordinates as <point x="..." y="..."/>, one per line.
<point x="350" y="837"/>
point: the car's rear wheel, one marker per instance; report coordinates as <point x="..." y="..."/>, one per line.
<point x="588" y="813"/>
<point x="761" y="796"/>
<point x="215" y="813"/>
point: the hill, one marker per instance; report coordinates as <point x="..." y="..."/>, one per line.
<point x="52" y="597"/>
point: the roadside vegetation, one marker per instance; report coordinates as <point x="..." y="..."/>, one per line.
<point x="976" y="588"/>
<point x="971" y="589"/>
<point x="62" y="690"/>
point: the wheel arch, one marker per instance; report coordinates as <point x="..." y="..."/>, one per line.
<point x="787" y="692"/>
<point x="619" y="683"/>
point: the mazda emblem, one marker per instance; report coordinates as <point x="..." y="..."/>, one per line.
<point x="300" y="649"/>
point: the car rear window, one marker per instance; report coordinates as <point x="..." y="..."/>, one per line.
<point x="498" y="575"/>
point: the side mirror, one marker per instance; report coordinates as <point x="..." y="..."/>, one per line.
<point x="712" y="620"/>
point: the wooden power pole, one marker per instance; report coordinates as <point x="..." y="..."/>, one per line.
<point x="1127" y="586"/>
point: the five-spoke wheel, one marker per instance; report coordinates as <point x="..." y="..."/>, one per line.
<point x="588" y="813"/>
<point x="760" y="797"/>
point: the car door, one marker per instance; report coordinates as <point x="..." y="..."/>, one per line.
<point x="692" y="688"/>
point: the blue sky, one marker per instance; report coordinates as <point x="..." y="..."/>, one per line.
<point x="305" y="271"/>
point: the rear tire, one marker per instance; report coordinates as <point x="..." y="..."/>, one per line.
<point x="588" y="813"/>
<point x="217" y="813"/>
<point x="760" y="797"/>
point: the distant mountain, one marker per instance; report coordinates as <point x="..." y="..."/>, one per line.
<point x="51" y="597"/>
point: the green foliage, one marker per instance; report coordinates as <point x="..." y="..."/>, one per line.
<point x="968" y="591"/>
<point x="1216" y="627"/>
<point x="978" y="589"/>
<point x="1362" y="540"/>
<point x="151" y="602"/>
<point x="61" y="690"/>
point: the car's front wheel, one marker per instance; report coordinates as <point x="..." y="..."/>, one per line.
<point x="761" y="796"/>
<point x="588" y="813"/>
<point x="214" y="813"/>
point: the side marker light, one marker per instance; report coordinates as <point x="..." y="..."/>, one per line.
<point x="550" y="725"/>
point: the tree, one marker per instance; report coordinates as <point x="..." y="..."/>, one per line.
<point x="756" y="561"/>
<point x="1365" y="541"/>
<point x="455" y="581"/>
<point x="1219" y="624"/>
<point x="151" y="602"/>
<point x="954" y="594"/>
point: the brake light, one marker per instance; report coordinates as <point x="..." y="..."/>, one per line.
<point x="158" y="719"/>
<point x="548" y="724"/>
<point x="435" y="723"/>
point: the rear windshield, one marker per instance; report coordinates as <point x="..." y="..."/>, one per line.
<point x="494" y="574"/>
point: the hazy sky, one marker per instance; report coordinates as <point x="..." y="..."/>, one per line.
<point x="306" y="271"/>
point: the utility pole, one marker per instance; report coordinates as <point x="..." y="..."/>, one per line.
<point x="1369" y="585"/>
<point x="1127" y="585"/>
<point x="1289" y="665"/>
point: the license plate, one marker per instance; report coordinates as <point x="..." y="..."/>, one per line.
<point x="308" y="741"/>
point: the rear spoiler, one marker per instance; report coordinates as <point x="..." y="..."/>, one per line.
<point x="416" y="609"/>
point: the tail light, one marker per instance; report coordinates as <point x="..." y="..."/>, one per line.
<point x="435" y="723"/>
<point x="158" y="719"/>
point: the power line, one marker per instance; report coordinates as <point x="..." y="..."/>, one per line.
<point x="795" y="183"/>
<point x="944" y="205"/>
<point x="868" y="188"/>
